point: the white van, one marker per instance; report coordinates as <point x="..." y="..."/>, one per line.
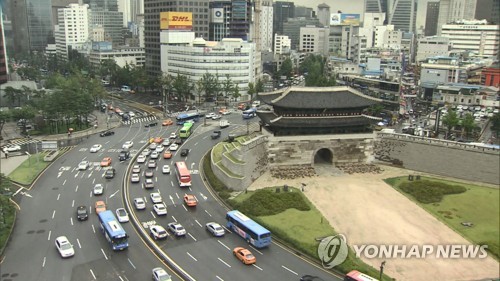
<point x="256" y="103"/>
<point x="125" y="88"/>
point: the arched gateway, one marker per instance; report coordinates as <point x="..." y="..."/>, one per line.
<point x="323" y="156"/>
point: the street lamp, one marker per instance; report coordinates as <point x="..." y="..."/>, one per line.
<point x="381" y="270"/>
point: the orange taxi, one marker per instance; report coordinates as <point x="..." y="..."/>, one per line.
<point x="158" y="140"/>
<point x="167" y="154"/>
<point x="106" y="162"/>
<point x="190" y="200"/>
<point x="244" y="255"/>
<point x="100" y="206"/>
<point x="167" y="122"/>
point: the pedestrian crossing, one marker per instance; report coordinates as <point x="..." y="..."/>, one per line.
<point x="140" y="120"/>
<point x="21" y="141"/>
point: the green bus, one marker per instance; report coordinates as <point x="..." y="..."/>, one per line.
<point x="185" y="132"/>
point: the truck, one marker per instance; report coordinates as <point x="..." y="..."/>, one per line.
<point x="249" y="113"/>
<point x="224" y="124"/>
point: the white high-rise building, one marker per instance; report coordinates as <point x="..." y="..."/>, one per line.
<point x="282" y="44"/>
<point x="314" y="40"/>
<point x="124" y="6"/>
<point x="434" y="46"/>
<point x="452" y="10"/>
<point x="266" y="25"/>
<point x="473" y="36"/>
<point x="324" y="14"/>
<point x="72" y="32"/>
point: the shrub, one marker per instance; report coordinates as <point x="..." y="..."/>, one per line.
<point x="425" y="191"/>
<point x="265" y="202"/>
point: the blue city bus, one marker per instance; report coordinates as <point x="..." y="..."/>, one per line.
<point x="183" y="117"/>
<point x="248" y="229"/>
<point x="113" y="230"/>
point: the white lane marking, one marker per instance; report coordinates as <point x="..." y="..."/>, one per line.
<point x="50" y="233"/>
<point x="153" y="215"/>
<point x="203" y="196"/>
<point x="172" y="199"/>
<point x="114" y="194"/>
<point x="174" y="218"/>
<point x="290" y="270"/>
<point x="90" y="174"/>
<point x="227" y="229"/>
<point x="93" y="228"/>
<point x="71" y="220"/>
<point x="192" y="237"/>
<point x="58" y="196"/>
<point x="77" y="173"/>
<point x="78" y="241"/>
<point x="172" y="183"/>
<point x="73" y="203"/>
<point x="219" y="278"/>
<point x="129" y="261"/>
<point x="43" y="263"/>
<point x="257" y="266"/>
<point x="76" y="189"/>
<point x="106" y="257"/>
<point x="93" y="181"/>
<point x="184" y="207"/>
<point x="59" y="174"/>
<point x="120" y="278"/>
<point x="208" y="213"/>
<point x="190" y="189"/>
<point x="196" y="143"/>
<point x="224" y="245"/>
<point x="53" y="214"/>
<point x="177" y="195"/>
<point x="223" y="262"/>
<point x="64" y="182"/>
<point x="90" y="193"/>
<point x="93" y="275"/>
<point x="191" y="256"/>
<point x="256" y="250"/>
<point x="198" y="223"/>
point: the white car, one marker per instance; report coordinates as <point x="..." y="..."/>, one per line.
<point x="64" y="247"/>
<point x="12" y="148"/>
<point x="152" y="146"/>
<point x="173" y="136"/>
<point x="154" y="155"/>
<point x="215" y="228"/>
<point x="159" y="274"/>
<point x="95" y="148"/>
<point x="128" y="145"/>
<point x="135" y="178"/>
<point x="226" y="112"/>
<point x="159" y="148"/>
<point x="139" y="203"/>
<point x="141" y="158"/>
<point x="165" y="169"/>
<point x="152" y="164"/>
<point x="173" y="147"/>
<point x="160" y="209"/>
<point x="216" y="117"/>
<point x="122" y="215"/>
<point x="156" y="197"/>
<point x="158" y="232"/>
<point x="166" y="142"/>
<point x="84" y="165"/>
<point x="98" y="189"/>
<point x="131" y="114"/>
<point x="177" y="229"/>
<point x="210" y="115"/>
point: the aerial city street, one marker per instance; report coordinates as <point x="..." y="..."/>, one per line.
<point x="249" y="140"/>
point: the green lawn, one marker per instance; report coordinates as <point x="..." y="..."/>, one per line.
<point x="27" y="172"/>
<point x="479" y="205"/>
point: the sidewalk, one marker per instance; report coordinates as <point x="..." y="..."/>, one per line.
<point x="7" y="165"/>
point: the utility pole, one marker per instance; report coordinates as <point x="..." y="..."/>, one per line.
<point x="381" y="270"/>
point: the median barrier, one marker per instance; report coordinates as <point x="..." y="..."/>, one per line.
<point x="51" y="155"/>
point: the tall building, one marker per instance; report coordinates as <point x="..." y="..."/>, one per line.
<point x="303" y="12"/>
<point x="488" y="10"/>
<point x="124" y="6"/>
<point x="152" y="9"/>
<point x="314" y="40"/>
<point x="292" y="26"/>
<point x="230" y="19"/>
<point x="105" y="14"/>
<point x="282" y="12"/>
<point x="3" y="54"/>
<point x="452" y="10"/>
<point x="265" y="28"/>
<point x="72" y="30"/>
<point x="433" y="46"/>
<point x="431" y="19"/>
<point x="324" y="14"/>
<point x="473" y="36"/>
<point x="400" y="13"/>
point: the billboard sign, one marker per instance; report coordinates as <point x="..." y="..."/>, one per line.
<point x="350" y="19"/>
<point x="335" y="19"/>
<point x="218" y="15"/>
<point x="176" y="21"/>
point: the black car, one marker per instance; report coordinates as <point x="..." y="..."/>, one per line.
<point x="110" y="173"/>
<point x="81" y="213"/>
<point x="151" y="124"/>
<point x="310" y="278"/>
<point x="185" y="152"/>
<point x="179" y="141"/>
<point x="215" y="135"/>
<point x="124" y="155"/>
<point x="107" y="133"/>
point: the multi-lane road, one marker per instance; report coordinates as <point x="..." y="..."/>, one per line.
<point x="50" y="212"/>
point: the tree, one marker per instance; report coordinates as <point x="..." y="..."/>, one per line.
<point x="227" y="87"/>
<point x="210" y="85"/>
<point x="166" y="82"/>
<point x="198" y="88"/>
<point x="259" y="87"/>
<point x="13" y="95"/>
<point x="4" y="117"/>
<point x="286" y="68"/>
<point x="25" y="113"/>
<point x="495" y="124"/>
<point x="182" y="87"/>
<point x="251" y="90"/>
<point x="468" y="124"/>
<point x="236" y="92"/>
<point x="450" y="121"/>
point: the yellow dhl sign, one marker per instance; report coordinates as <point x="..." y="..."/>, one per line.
<point x="176" y="20"/>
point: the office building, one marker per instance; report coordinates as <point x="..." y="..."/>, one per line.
<point x="72" y="30"/>
<point x="324" y="14"/>
<point x="282" y="44"/>
<point x="303" y="12"/>
<point x="3" y="53"/>
<point x="102" y="51"/>
<point x="124" y="7"/>
<point x="400" y="13"/>
<point x="105" y="14"/>
<point x="434" y="46"/>
<point x="473" y="36"/>
<point x="431" y="19"/>
<point x="314" y="40"/>
<point x="230" y="19"/>
<point x="152" y="10"/>
<point x="490" y="76"/>
<point x="282" y="12"/>
<point x="265" y="28"/>
<point x="453" y="10"/>
<point x="292" y="26"/>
